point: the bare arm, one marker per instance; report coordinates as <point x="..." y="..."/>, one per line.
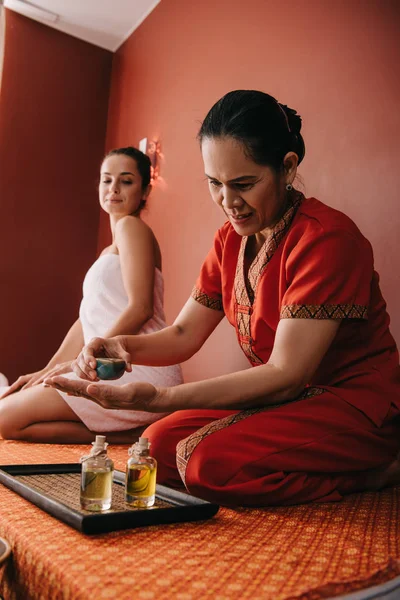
<point x="180" y="341"/>
<point x="170" y="346"/>
<point x="135" y="244"/>
<point x="300" y="345"/>
<point x="71" y="345"/>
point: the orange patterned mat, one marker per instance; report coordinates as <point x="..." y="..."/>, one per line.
<point x="303" y="552"/>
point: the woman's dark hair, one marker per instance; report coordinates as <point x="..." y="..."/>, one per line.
<point x="142" y="161"/>
<point x="268" y="130"/>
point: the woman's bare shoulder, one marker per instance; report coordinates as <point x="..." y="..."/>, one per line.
<point x="132" y="231"/>
<point x="131" y="221"/>
<point x="131" y="224"/>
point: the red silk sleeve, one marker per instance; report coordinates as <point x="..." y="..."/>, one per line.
<point x="208" y="288"/>
<point x="329" y="277"/>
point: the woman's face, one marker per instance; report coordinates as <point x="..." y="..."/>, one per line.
<point x="120" y="188"/>
<point x="252" y="196"/>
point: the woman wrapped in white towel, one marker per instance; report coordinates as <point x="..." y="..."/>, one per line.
<point x="122" y="294"/>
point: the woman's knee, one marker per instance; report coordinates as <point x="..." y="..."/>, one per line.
<point x="201" y="466"/>
<point x="163" y="439"/>
<point x="159" y="437"/>
<point x="18" y="411"/>
<point x="167" y="433"/>
<point x="220" y="473"/>
<point x="9" y="429"/>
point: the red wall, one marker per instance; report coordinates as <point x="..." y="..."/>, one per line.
<point x="53" y="113"/>
<point x="336" y="63"/>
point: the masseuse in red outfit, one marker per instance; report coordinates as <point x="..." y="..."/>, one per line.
<point x="318" y="415"/>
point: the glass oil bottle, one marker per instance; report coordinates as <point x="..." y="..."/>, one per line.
<point x="97" y="477"/>
<point x="141" y="472"/>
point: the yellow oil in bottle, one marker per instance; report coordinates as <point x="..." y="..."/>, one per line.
<point x="97" y="477"/>
<point x="141" y="485"/>
<point x="96" y="489"/>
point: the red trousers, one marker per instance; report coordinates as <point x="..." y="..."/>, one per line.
<point x="316" y="449"/>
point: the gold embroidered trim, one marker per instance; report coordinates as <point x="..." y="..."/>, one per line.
<point x="185" y="447"/>
<point x="271" y="244"/>
<point x="325" y="311"/>
<point x="205" y="300"/>
<point x="310" y="392"/>
<point x="244" y="296"/>
<point x="243" y="316"/>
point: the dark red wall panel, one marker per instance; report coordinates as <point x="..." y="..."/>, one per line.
<point x="53" y="113"/>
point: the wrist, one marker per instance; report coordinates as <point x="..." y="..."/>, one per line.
<point x="120" y="339"/>
<point x="127" y="343"/>
<point x="163" y="400"/>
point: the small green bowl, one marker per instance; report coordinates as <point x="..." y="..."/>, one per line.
<point x="110" y="368"/>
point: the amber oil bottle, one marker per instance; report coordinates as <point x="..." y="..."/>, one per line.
<point x="141" y="473"/>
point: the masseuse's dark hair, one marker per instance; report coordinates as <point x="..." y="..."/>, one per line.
<point x="142" y="161"/>
<point x="267" y="129"/>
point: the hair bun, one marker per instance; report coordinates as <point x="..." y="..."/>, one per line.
<point x="293" y="119"/>
<point x="294" y="125"/>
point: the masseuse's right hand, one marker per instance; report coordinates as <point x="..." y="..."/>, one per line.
<point x="84" y="366"/>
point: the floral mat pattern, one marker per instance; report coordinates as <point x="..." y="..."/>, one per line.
<point x="304" y="552"/>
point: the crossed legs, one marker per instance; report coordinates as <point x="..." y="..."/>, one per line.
<point x="39" y="414"/>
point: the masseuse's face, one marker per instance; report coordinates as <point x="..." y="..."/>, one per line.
<point x="252" y="196"/>
<point x="120" y="188"/>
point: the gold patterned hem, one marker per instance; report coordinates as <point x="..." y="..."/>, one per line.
<point x="186" y="447"/>
<point x="206" y="300"/>
<point x="324" y="311"/>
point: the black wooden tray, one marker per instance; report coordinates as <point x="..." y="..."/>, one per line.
<point x="55" y="489"/>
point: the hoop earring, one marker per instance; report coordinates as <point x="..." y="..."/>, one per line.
<point x="289" y="187"/>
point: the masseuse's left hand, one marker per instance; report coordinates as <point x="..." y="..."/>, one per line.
<point x="131" y="396"/>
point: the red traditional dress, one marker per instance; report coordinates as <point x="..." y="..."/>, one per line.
<point x="315" y="265"/>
